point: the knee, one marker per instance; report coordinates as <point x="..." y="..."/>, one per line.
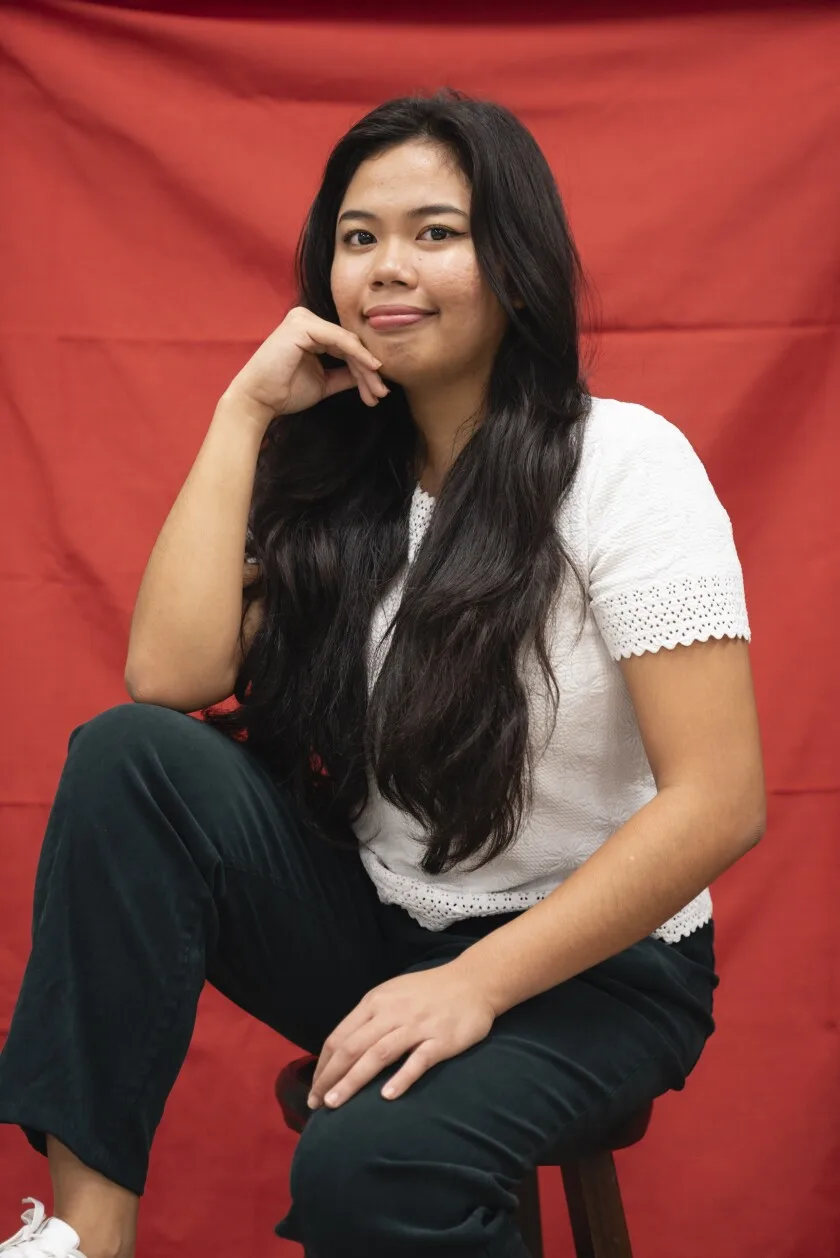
<point x="376" y="1178"/>
<point x="102" y="823"/>
<point x="125" y="761"/>
<point x="124" y="731"/>
<point x="339" y="1189"/>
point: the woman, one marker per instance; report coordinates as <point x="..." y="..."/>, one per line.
<point x="496" y="735"/>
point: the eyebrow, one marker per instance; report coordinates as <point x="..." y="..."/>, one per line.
<point x="422" y="211"/>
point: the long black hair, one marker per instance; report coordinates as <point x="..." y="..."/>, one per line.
<point x="445" y="731"/>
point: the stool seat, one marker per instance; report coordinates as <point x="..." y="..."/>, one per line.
<point x="592" y="1194"/>
<point x="292" y="1087"/>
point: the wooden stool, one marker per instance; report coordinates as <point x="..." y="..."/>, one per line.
<point x="591" y="1185"/>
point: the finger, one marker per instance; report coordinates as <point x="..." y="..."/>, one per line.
<point x="372" y="378"/>
<point x="380" y="386"/>
<point x="373" y="383"/>
<point x="365" y="391"/>
<point x="335" y="339"/>
<point x="389" y="1048"/>
<point x="335" y="1062"/>
<point x="347" y="345"/>
<point x="355" y="1020"/>
<point x="338" y="379"/>
<point x="422" y="1059"/>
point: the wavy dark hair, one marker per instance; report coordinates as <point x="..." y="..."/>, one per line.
<point x="445" y="729"/>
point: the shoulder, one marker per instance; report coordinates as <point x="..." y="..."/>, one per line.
<point x="633" y="459"/>
<point x="615" y="431"/>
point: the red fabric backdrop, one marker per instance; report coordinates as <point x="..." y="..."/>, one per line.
<point x="155" y="169"/>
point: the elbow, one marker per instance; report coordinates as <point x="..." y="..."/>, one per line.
<point x="758" y="827"/>
<point x="160" y="696"/>
<point x="131" y="681"/>
<point x="737" y="819"/>
<point x="182" y="694"/>
<point x="140" y="691"/>
<point x="754" y="823"/>
<point x="142" y="683"/>
<point x="756" y="831"/>
<point x="741" y="806"/>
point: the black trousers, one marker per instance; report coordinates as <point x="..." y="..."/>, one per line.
<point x="172" y="857"/>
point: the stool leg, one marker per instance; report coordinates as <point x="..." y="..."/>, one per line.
<point x="596" y="1213"/>
<point x="528" y="1215"/>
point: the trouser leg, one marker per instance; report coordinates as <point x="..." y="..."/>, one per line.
<point x="435" y="1172"/>
<point x="170" y="856"/>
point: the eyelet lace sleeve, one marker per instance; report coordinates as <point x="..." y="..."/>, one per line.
<point x="663" y="566"/>
<point x="674" y="613"/>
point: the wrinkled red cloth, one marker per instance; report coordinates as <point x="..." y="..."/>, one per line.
<point x="156" y="166"/>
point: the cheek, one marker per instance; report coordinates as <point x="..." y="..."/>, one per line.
<point x="459" y="285"/>
<point x="471" y="308"/>
<point x="345" y="292"/>
<point x="464" y="296"/>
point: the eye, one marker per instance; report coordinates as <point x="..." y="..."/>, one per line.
<point x="355" y="237"/>
<point x="447" y="231"/>
<point x="359" y="231"/>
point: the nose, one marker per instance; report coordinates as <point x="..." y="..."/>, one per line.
<point x="391" y="264"/>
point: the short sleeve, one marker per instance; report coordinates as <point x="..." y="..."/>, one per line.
<point x="663" y="567"/>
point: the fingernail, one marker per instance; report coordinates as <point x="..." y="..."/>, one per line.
<point x="312" y="1101"/>
<point x="331" y="1098"/>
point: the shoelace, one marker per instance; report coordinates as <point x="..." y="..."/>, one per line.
<point x="29" y="1244"/>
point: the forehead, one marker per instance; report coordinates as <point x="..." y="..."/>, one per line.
<point x="415" y="173"/>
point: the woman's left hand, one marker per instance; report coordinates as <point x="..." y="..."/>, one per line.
<point x="437" y="1013"/>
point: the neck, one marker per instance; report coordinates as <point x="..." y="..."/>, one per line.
<point x="447" y="416"/>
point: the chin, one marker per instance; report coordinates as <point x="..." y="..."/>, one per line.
<point x="411" y="375"/>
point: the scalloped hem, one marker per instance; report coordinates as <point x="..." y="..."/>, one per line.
<point x="686" y="639"/>
<point x="435" y="908"/>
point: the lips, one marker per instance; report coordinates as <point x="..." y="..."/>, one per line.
<point x="390" y="318"/>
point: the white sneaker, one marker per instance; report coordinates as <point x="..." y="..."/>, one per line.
<point x="41" y="1237"/>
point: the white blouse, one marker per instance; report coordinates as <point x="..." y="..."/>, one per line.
<point x="655" y="547"/>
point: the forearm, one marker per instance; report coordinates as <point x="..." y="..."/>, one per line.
<point x="188" y="612"/>
<point x="649" y="869"/>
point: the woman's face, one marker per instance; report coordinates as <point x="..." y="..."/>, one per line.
<point x="403" y="244"/>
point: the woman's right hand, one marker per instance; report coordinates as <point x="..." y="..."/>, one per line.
<point x="285" y="375"/>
